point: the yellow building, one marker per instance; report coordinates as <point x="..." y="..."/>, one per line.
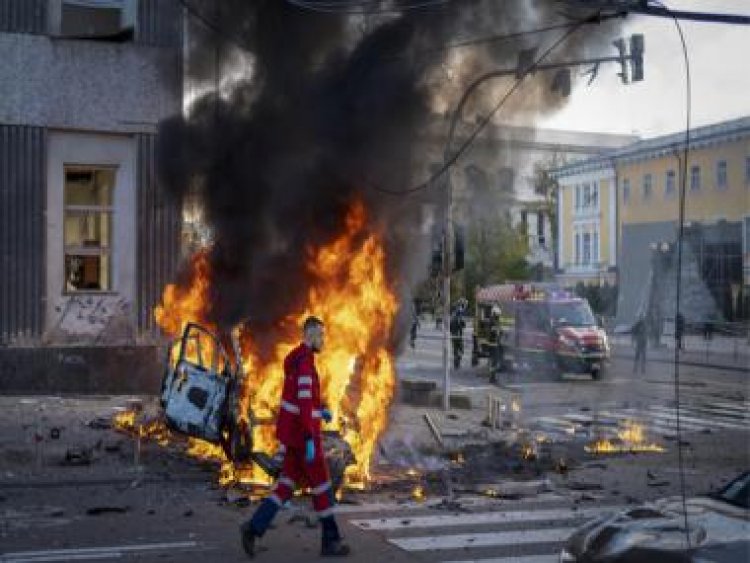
<point x="587" y="219"/>
<point x="634" y="233"/>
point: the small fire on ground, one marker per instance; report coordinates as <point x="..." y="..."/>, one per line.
<point x="630" y="439"/>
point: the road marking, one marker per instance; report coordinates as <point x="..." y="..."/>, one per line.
<point x="89" y="553"/>
<point x="488" y="539"/>
<point x="480" y="518"/>
<point x="669" y="414"/>
<point x="464" y="502"/>
<point x="722" y="412"/>
<point x="551" y="558"/>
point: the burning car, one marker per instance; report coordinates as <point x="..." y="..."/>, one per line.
<point x="718" y="527"/>
<point x="201" y="398"/>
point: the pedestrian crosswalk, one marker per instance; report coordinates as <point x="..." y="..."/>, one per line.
<point x="656" y="418"/>
<point x="516" y="531"/>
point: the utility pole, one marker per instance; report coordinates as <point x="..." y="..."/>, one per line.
<point x="562" y="83"/>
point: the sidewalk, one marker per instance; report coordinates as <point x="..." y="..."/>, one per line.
<point x="720" y="352"/>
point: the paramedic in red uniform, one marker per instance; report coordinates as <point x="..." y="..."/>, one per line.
<point x="298" y="431"/>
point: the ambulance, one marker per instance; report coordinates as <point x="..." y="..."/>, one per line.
<point x="540" y="327"/>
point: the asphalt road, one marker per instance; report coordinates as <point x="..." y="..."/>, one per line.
<point x="174" y="511"/>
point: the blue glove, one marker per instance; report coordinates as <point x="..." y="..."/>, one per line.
<point x="327" y="415"/>
<point x="309" y="450"/>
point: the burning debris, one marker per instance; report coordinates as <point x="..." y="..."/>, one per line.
<point x="630" y="439"/>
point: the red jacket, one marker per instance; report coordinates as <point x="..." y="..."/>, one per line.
<point x="300" y="412"/>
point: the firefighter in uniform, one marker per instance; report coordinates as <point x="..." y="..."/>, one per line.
<point x="298" y="431"/>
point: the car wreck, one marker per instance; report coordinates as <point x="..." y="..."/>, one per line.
<point x="200" y="398"/>
<point x="718" y="530"/>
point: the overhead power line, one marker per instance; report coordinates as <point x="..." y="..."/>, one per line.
<point x="329" y="7"/>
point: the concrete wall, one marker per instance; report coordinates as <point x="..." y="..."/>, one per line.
<point x="22" y="200"/>
<point x="95" y="317"/>
<point x="86" y="85"/>
<point x="97" y="370"/>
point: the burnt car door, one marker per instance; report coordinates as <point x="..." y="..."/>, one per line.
<point x="196" y="391"/>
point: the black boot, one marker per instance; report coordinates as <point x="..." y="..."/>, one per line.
<point x="248" y="537"/>
<point x="257" y="525"/>
<point x="332" y="544"/>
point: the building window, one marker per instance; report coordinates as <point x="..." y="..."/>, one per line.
<point x="647" y="186"/>
<point x="721" y="175"/>
<point x="586" y="196"/>
<point x="578" y="248"/>
<point x="747" y="170"/>
<point x="586" y="249"/>
<point x="625" y="191"/>
<point x="670" y="185"/>
<point x="695" y="178"/>
<point x="112" y="20"/>
<point x="578" y="197"/>
<point x="88" y="228"/>
<point x="594" y="196"/>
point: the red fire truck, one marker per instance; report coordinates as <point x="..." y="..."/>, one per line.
<point x="539" y="326"/>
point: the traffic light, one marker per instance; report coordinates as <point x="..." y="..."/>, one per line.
<point x="561" y="82"/>
<point x="636" y="57"/>
<point x="526" y="62"/>
<point x="436" y="255"/>
<point x="623" y="58"/>
<point x="458" y="248"/>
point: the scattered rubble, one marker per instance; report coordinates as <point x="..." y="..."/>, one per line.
<point x="99" y="510"/>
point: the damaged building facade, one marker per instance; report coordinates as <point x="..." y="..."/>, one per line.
<point x="87" y="237"/>
<point x="499" y="174"/>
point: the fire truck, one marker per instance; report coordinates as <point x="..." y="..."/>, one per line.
<point x="540" y="326"/>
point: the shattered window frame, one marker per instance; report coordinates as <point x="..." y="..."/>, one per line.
<point x="93" y="19"/>
<point x="91" y="258"/>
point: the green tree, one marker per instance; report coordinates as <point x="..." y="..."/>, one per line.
<point x="546" y="185"/>
<point x="495" y="252"/>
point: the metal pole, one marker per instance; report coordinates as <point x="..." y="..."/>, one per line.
<point x="447" y="238"/>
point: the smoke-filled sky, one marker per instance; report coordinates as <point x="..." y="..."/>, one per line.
<point x="330" y="114"/>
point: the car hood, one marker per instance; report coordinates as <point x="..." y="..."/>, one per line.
<point x="718" y="532"/>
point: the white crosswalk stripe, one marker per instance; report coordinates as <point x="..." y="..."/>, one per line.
<point x="551" y="558"/>
<point x="483" y="539"/>
<point x="659" y="419"/>
<point x="521" y="534"/>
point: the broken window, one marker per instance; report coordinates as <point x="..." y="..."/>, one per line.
<point x="88" y="228"/>
<point x="110" y="20"/>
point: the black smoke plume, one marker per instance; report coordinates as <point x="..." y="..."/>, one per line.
<point x="333" y="108"/>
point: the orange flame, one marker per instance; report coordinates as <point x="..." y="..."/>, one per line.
<point x="352" y="296"/>
<point x="630" y="439"/>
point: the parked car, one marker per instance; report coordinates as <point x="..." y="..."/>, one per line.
<point x="718" y="527"/>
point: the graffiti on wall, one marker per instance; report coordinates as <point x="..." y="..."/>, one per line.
<point x="92" y="320"/>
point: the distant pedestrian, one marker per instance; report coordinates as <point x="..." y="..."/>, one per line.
<point x="679" y="330"/>
<point x="414" y="328"/>
<point x="708" y="328"/>
<point x="640" y="339"/>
